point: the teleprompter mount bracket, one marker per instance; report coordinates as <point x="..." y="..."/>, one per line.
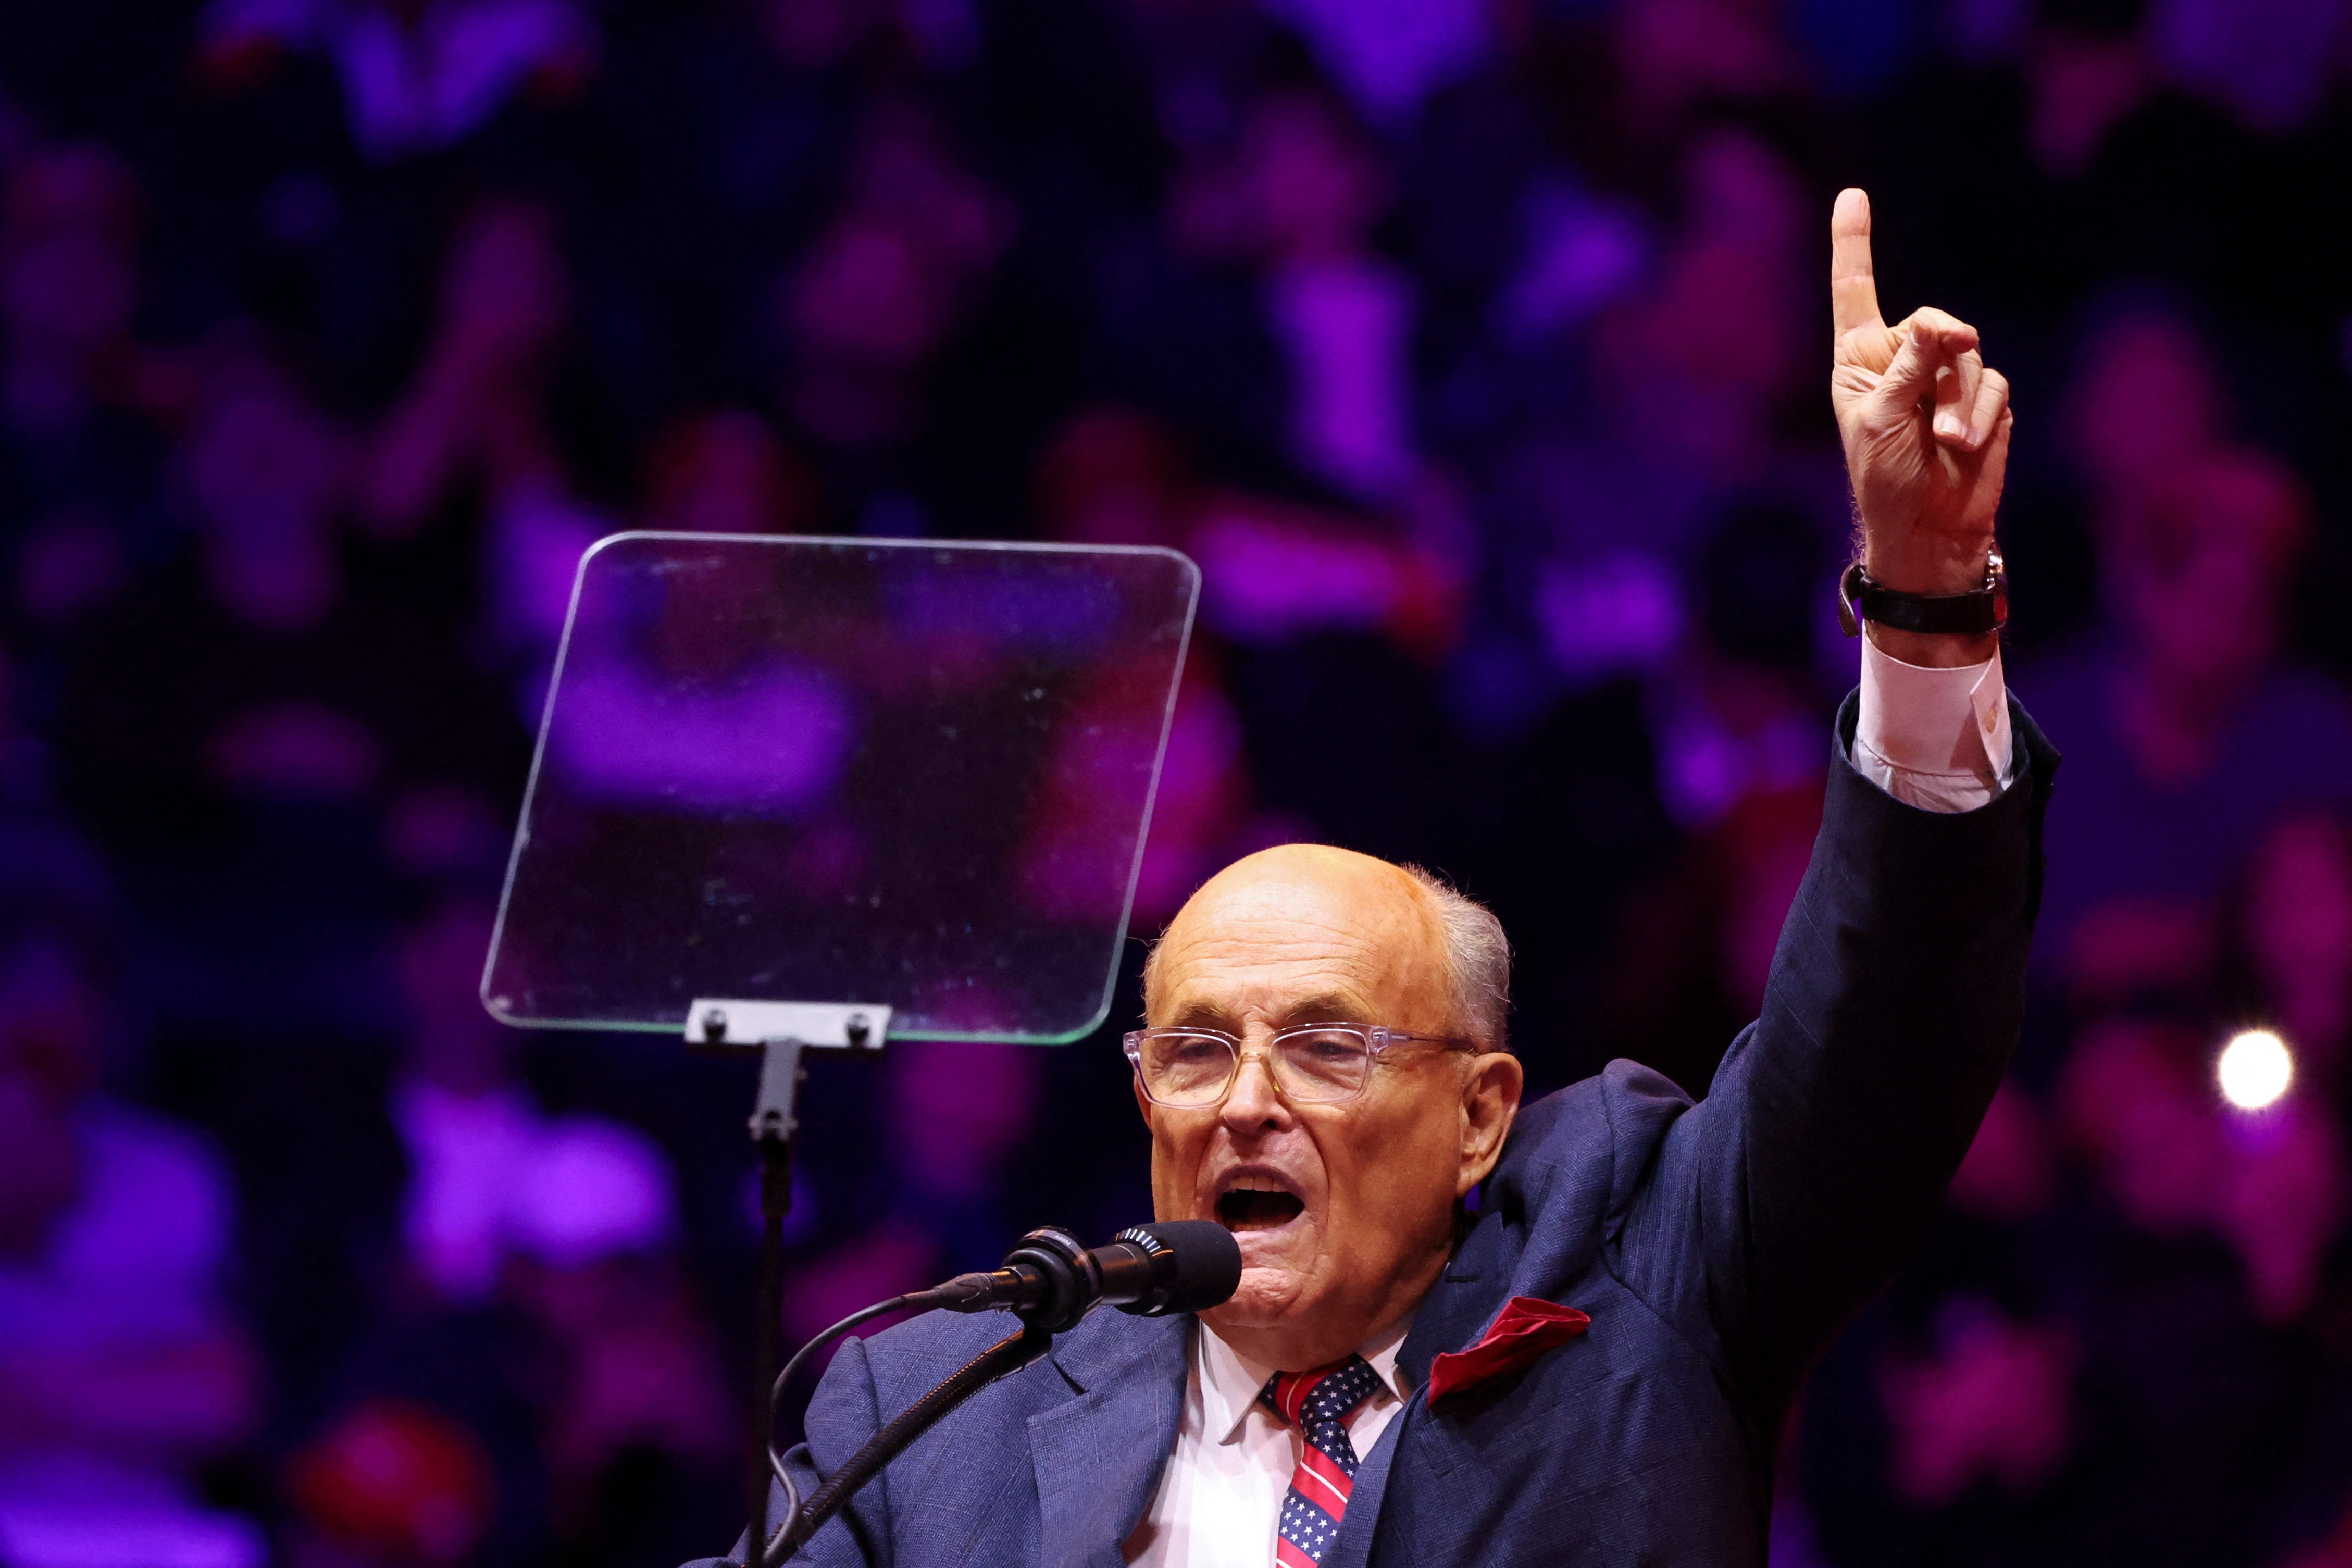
<point x="781" y="1031"/>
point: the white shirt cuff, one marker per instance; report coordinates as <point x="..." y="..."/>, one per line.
<point x="1936" y="739"/>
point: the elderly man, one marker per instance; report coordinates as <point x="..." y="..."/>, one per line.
<point x="1592" y="1366"/>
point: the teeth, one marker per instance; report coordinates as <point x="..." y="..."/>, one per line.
<point x="1254" y="1185"/>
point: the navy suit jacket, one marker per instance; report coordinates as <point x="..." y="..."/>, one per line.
<point x="1717" y="1246"/>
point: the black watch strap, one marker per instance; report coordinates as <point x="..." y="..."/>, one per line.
<point x="1971" y="614"/>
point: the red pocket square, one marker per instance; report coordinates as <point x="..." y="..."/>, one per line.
<point x="1527" y="1327"/>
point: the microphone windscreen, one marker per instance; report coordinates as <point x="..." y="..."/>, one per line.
<point x="1208" y="1262"/>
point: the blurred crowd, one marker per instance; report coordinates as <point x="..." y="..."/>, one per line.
<point x="1475" y="348"/>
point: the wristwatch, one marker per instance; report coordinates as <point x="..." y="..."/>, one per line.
<point x="1972" y="614"/>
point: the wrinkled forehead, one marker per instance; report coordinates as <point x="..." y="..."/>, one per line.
<point x="1303" y="934"/>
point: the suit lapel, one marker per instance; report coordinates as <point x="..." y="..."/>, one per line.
<point x="1099" y="1455"/>
<point x="1354" y="1546"/>
<point x="1457" y="1307"/>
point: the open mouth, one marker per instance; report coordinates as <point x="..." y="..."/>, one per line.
<point x="1243" y="1209"/>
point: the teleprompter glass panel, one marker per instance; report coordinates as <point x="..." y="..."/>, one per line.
<point x="900" y="773"/>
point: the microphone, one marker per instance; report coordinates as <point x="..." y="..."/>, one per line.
<point x="1050" y="1281"/>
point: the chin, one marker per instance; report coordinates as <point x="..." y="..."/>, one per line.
<point x="1259" y="1302"/>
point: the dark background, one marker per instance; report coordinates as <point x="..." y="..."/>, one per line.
<point x="1475" y="347"/>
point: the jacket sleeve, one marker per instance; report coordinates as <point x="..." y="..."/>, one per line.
<point x="1777" y="1206"/>
<point x="844" y="1411"/>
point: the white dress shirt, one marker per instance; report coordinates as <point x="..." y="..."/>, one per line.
<point x="1220" y="1497"/>
<point x="1936" y="739"/>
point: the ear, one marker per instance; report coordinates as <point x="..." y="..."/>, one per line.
<point x="1143" y="1100"/>
<point x="1490" y="1100"/>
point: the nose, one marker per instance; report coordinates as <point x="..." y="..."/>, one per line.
<point x="1253" y="1104"/>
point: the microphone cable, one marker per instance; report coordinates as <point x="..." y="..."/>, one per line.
<point x="769" y="1552"/>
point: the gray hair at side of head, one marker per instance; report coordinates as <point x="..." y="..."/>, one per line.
<point x="1478" y="957"/>
<point x="1477" y="961"/>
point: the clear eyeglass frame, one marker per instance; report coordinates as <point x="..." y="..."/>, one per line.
<point x="1311" y="1064"/>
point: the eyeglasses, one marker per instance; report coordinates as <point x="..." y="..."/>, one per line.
<point x="1312" y="1064"/>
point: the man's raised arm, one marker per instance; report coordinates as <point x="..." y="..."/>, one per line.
<point x="1820" y="1155"/>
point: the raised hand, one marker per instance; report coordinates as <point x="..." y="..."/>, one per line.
<point x="1925" y="424"/>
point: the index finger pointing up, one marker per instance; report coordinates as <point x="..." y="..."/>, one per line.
<point x="1853" y="290"/>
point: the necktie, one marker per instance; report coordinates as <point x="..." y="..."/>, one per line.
<point x="1319" y="1402"/>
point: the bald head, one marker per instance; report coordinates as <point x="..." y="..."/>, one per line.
<point x="1344" y="1208"/>
<point x="1381" y="898"/>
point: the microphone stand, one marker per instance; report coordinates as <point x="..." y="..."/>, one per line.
<point x="1009" y="1354"/>
<point x="1048" y="1281"/>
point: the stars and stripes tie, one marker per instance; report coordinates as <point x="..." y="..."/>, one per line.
<point x="1319" y="1402"/>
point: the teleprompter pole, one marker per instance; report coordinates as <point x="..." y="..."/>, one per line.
<point x="773" y="1125"/>
<point x="780" y="1031"/>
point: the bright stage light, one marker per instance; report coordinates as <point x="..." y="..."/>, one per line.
<point x="2254" y="1070"/>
